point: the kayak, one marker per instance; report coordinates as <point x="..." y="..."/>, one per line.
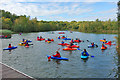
<point x="109" y="44"/>
<point x="77" y="41"/>
<point x="10" y="48"/>
<point x="63" y="37"/>
<point x="28" y="41"/>
<point x="90" y="46"/>
<point x="66" y="39"/>
<point x="69" y="49"/>
<point x="103" y="48"/>
<point x="27" y="46"/>
<point x="84" y="57"/>
<point x="60" y="58"/>
<point x="51" y="40"/>
<point x="21" y="44"/>
<point x="61" y="33"/>
<point x="103" y="40"/>
<point x="40" y="39"/>
<point x="73" y="46"/>
<point x="63" y="44"/>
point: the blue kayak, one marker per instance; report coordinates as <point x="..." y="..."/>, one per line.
<point x="66" y="39"/>
<point x="84" y="57"/>
<point x="29" y="41"/>
<point x="61" y="58"/>
<point x="90" y="46"/>
<point x="10" y="48"/>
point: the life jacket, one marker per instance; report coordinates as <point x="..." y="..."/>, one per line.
<point x="57" y="55"/>
<point x="85" y="53"/>
<point x="9" y="46"/>
<point x="103" y="45"/>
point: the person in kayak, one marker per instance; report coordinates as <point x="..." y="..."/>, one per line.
<point x="59" y="37"/>
<point x="110" y="42"/>
<point x="62" y="42"/>
<point x="23" y="40"/>
<point x="71" y="44"/>
<point x="40" y="37"/>
<point x="103" y="45"/>
<point x="26" y="44"/>
<point x="104" y="40"/>
<point x="49" y="39"/>
<point x="72" y="41"/>
<point x="57" y="54"/>
<point x="92" y="44"/>
<point x="37" y="37"/>
<point x="9" y="46"/>
<point x="85" y="53"/>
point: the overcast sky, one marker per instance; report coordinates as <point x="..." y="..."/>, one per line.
<point x="63" y="10"/>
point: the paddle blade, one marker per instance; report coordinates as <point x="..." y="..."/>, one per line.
<point x="92" y="56"/>
<point x="78" y="48"/>
<point x="96" y="45"/>
<point x="87" y="40"/>
<point x="49" y="57"/>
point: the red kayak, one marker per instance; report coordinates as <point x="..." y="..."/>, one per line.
<point x="63" y="37"/>
<point x="63" y="44"/>
<point x="67" y="49"/>
<point x="27" y="46"/>
<point x="51" y="40"/>
<point x="109" y="44"/>
<point x="73" y="46"/>
<point x="40" y="39"/>
<point x="61" y="33"/>
<point x="77" y="41"/>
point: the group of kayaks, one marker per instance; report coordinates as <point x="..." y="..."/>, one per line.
<point x="107" y="43"/>
<point x="68" y="47"/>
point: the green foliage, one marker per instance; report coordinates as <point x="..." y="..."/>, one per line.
<point x="25" y="24"/>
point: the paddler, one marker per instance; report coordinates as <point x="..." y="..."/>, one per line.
<point x="49" y="39"/>
<point x="103" y="45"/>
<point x="9" y="46"/>
<point x="92" y="44"/>
<point x="26" y="44"/>
<point x="37" y="37"/>
<point x="62" y="42"/>
<point x="110" y="42"/>
<point x="59" y="37"/>
<point x="40" y="37"/>
<point x="85" y="53"/>
<point x="23" y="40"/>
<point x="57" y="54"/>
<point x="72" y="41"/>
<point x="71" y="44"/>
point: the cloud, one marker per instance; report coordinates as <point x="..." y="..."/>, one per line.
<point x="53" y="10"/>
<point x="40" y="9"/>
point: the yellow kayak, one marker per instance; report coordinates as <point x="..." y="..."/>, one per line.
<point x="49" y="41"/>
<point x="103" y="40"/>
<point x="21" y="44"/>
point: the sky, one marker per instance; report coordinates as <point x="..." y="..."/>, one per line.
<point x="63" y="10"/>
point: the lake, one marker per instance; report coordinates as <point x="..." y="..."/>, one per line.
<point x="33" y="60"/>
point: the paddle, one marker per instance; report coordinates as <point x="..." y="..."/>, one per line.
<point x="50" y="56"/>
<point x="82" y="50"/>
<point x="90" y="42"/>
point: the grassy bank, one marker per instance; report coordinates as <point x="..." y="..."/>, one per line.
<point x="6" y="32"/>
<point x="99" y="32"/>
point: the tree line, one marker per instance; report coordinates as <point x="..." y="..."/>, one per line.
<point x="23" y="23"/>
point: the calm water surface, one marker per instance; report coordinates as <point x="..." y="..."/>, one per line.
<point x="33" y="60"/>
